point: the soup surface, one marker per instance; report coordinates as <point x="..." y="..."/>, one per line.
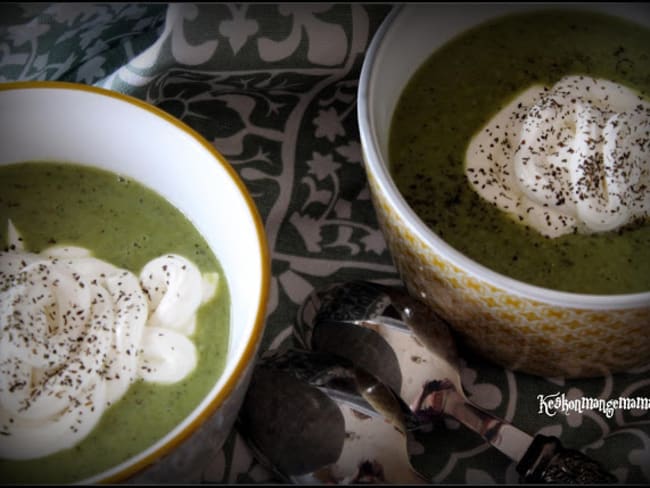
<point x="459" y="88"/>
<point x="126" y="224"/>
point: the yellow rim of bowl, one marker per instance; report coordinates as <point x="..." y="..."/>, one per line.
<point x="258" y="328"/>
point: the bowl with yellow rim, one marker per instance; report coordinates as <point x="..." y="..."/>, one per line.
<point x="464" y="64"/>
<point x="135" y="276"/>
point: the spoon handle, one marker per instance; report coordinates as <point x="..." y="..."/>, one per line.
<point x="547" y="461"/>
<point x="442" y="398"/>
<point x="540" y="459"/>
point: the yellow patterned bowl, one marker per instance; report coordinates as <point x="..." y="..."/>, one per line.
<point x="523" y="327"/>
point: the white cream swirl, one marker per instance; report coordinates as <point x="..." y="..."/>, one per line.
<point x="77" y="331"/>
<point x="571" y="158"/>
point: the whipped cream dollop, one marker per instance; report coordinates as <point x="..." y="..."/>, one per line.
<point x="77" y="331"/>
<point x="574" y="157"/>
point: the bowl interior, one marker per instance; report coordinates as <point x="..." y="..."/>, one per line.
<point x="406" y="38"/>
<point x="84" y="125"/>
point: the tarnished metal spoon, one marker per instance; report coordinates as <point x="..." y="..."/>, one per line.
<point x="314" y="417"/>
<point x="402" y="342"/>
<point x="370" y="367"/>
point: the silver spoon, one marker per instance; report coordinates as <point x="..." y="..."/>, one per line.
<point x="352" y="319"/>
<point x="314" y="417"/>
<point x="358" y="344"/>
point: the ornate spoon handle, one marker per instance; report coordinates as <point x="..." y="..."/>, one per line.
<point x="547" y="461"/>
<point x="540" y="459"/>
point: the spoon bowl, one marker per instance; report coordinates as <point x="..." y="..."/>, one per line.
<point x="385" y="331"/>
<point x="313" y="417"/>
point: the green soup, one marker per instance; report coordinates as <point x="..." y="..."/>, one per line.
<point x="126" y="224"/>
<point x="459" y="88"/>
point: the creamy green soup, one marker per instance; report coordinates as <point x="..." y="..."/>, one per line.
<point x="459" y="88"/>
<point x="126" y="224"/>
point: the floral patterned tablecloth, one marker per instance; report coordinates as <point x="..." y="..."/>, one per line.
<point x="273" y="87"/>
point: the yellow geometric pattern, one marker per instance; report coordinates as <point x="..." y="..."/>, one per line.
<point x="519" y="333"/>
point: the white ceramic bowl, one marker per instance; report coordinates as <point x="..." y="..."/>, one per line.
<point x="524" y="327"/>
<point x="91" y="126"/>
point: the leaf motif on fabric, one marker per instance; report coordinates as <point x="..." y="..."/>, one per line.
<point x="351" y="151"/>
<point x="315" y="195"/>
<point x="254" y="174"/>
<point x="13" y="59"/>
<point x="69" y="13"/>
<point x="344" y="239"/>
<point x="322" y="166"/>
<point x="26" y="33"/>
<point x="374" y="242"/>
<point x="91" y="69"/>
<point x="132" y="11"/>
<point x="98" y="47"/>
<point x="309" y="229"/>
<point x="328" y="124"/>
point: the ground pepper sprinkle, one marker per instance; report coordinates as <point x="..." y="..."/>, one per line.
<point x="568" y="158"/>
